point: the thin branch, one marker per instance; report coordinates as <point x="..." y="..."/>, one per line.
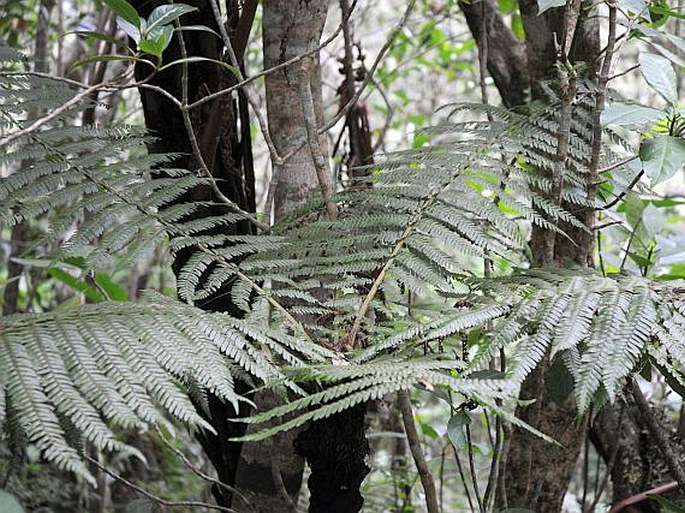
<point x="179" y="454"/>
<point x="320" y="164"/>
<point x="618" y="198"/>
<point x="153" y="497"/>
<point x="197" y="152"/>
<point x="673" y="461"/>
<point x="381" y="54"/>
<point x="276" y="159"/>
<point x="617" y="164"/>
<point x="624" y="72"/>
<point x="472" y="469"/>
<point x="55" y="113"/>
<point x="643" y="496"/>
<point x="427" y="479"/>
<point x="273" y="69"/>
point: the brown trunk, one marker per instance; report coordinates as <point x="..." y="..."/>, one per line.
<point x="538" y="473"/>
<point x="335" y="448"/>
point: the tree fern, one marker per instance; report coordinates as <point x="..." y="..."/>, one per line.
<point x="418" y="224"/>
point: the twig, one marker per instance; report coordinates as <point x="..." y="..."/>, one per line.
<point x="197" y="152"/>
<point x="278" y="67"/>
<point x="618" y="198"/>
<point x="624" y="72"/>
<point x="427" y="479"/>
<point x="198" y="472"/>
<point x="367" y="79"/>
<point x="643" y="496"/>
<point x="672" y="461"/>
<point x="153" y="497"/>
<point x="617" y="164"/>
<point x="381" y="54"/>
<point x="276" y="159"/>
<point x="472" y="469"/>
<point x="56" y="112"/>
<point x="462" y="475"/>
<point x="320" y="164"/>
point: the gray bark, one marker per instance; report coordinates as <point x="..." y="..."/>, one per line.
<point x="269" y="473"/>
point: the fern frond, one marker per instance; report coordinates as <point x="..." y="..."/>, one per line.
<point x="125" y="363"/>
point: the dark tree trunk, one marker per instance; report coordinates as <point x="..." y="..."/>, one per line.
<point x="231" y="165"/>
<point x="336" y="450"/>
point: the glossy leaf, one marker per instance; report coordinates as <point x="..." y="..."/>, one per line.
<point x="659" y="74"/>
<point x="125" y="11"/>
<point x="165" y="14"/>
<point x="629" y="114"/>
<point x="131" y="30"/>
<point x="662" y="157"/>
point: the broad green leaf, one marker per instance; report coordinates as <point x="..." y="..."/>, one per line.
<point x="629" y="114"/>
<point x="124" y="10"/>
<point x="129" y="29"/>
<point x="114" y="291"/>
<point x="662" y="157"/>
<point x="659" y="74"/>
<point x="8" y="504"/>
<point x="455" y="429"/>
<point x="76" y="284"/>
<point x="157" y="41"/>
<point x="429" y="431"/>
<point x="544" y="5"/>
<point x="165" y="14"/>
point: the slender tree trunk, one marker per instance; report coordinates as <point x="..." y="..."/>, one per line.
<point x="336" y="447"/>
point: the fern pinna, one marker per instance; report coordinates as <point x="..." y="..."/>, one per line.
<point x="324" y="301"/>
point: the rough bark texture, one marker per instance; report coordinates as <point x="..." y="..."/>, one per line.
<point x="336" y="450"/>
<point x="292" y="29"/>
<point x="537" y="473"/>
<point x="232" y="166"/>
<point x="625" y="444"/>
<point x="506" y="54"/>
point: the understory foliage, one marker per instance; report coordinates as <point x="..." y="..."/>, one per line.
<point x="325" y="301"/>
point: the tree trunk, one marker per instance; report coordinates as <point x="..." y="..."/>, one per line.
<point x="231" y="165"/>
<point x="336" y="447"/>
<point x="537" y="473"/>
